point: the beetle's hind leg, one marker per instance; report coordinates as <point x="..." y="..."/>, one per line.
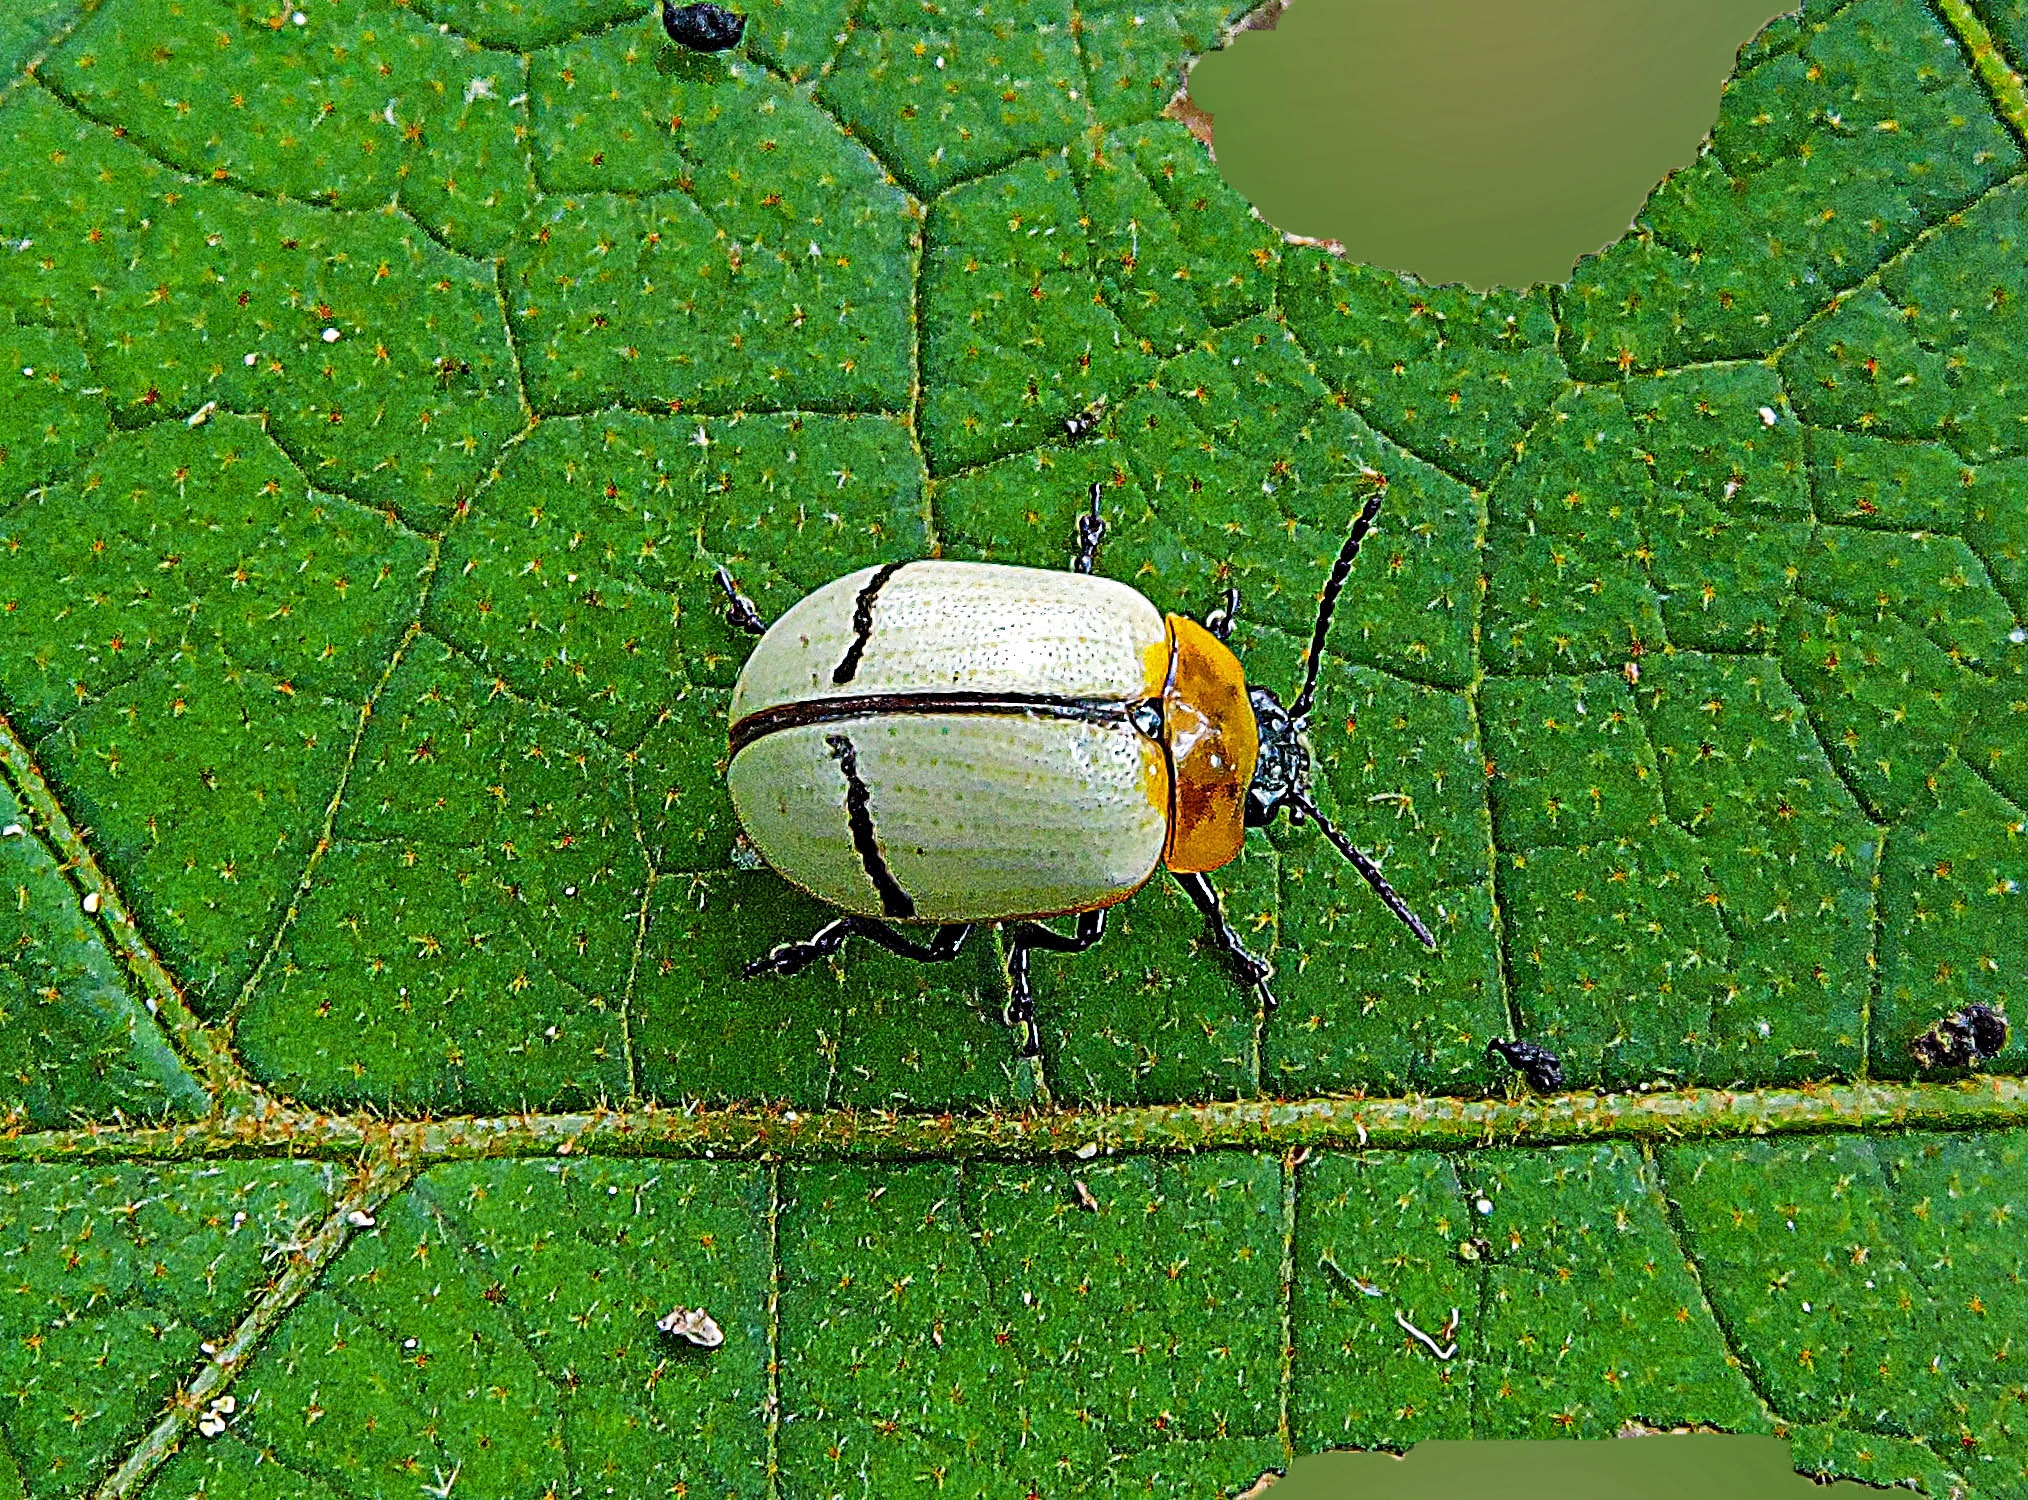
<point x="1091" y="530"/>
<point x="739" y="610"/>
<point x="791" y="958"/>
<point x="1022" y="938"/>
<point x="1253" y="970"/>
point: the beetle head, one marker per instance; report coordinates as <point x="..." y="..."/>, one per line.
<point x="1281" y="773"/>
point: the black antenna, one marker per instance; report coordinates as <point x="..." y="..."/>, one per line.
<point x="1359" y="860"/>
<point x="1300" y="709"/>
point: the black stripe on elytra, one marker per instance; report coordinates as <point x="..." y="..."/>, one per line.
<point x="807" y="711"/>
<point x="862" y="623"/>
<point x="894" y="901"/>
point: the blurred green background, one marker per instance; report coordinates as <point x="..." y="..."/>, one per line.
<point x="1491" y="142"/>
<point x="1664" y="1466"/>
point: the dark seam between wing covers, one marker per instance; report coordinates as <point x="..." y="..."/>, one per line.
<point x="862" y="623"/>
<point x="894" y="901"/>
<point x="796" y="715"/>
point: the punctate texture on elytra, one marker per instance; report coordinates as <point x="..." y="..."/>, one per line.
<point x="380" y="386"/>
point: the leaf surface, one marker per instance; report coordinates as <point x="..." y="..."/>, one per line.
<point x="383" y="386"/>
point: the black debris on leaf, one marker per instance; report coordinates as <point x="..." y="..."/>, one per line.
<point x="1542" y="1068"/>
<point x="1958" y="1041"/>
<point x="703" y="28"/>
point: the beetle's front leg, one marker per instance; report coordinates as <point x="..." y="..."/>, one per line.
<point x="1253" y="970"/>
<point x="1022" y="937"/>
<point x="791" y="958"/>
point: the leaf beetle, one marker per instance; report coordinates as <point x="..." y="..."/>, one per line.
<point x="948" y="744"/>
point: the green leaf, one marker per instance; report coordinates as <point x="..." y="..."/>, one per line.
<point x="75" y="1044"/>
<point x="384" y="389"/>
<point x="120" y="1273"/>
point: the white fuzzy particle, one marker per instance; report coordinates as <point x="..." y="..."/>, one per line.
<point x="330" y="335"/>
<point x="91" y="903"/>
<point x="29" y="371"/>
<point x="299" y="19"/>
<point x="1768" y="417"/>
<point x="12" y="831"/>
<point x="479" y="88"/>
<point x="2017" y="635"/>
<point x="250" y="360"/>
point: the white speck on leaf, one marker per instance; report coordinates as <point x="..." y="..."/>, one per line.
<point x="479" y="88"/>
<point x="91" y="902"/>
<point x="1768" y="417"/>
<point x="330" y="335"/>
<point x="12" y="831"/>
<point x="694" y="1324"/>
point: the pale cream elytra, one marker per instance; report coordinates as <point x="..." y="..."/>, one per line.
<point x="1004" y="814"/>
<point x="953" y="743"/>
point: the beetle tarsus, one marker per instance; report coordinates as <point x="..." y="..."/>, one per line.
<point x="1024" y="937"/>
<point x="1219" y="621"/>
<point x="1253" y="969"/>
<point x="739" y="610"/>
<point x="1091" y="530"/>
<point x="792" y="958"/>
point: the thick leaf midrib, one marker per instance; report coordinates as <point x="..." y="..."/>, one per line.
<point x="1065" y="1135"/>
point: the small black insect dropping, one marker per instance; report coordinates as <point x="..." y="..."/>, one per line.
<point x="1081" y="423"/>
<point x="1963" y="1039"/>
<point x="1542" y="1068"/>
<point x="703" y="28"/>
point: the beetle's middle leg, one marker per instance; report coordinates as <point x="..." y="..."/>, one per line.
<point x="1253" y="970"/>
<point x="1219" y="621"/>
<point x="1022" y="937"/>
<point x="1091" y="530"/>
<point x="791" y="958"/>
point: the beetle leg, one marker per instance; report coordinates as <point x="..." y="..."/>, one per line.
<point x="1021" y="938"/>
<point x="740" y="610"/>
<point x="791" y="958"/>
<point x="1091" y="530"/>
<point x="1219" y="621"/>
<point x="1252" y="970"/>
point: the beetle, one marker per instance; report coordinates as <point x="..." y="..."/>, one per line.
<point x="954" y="743"/>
